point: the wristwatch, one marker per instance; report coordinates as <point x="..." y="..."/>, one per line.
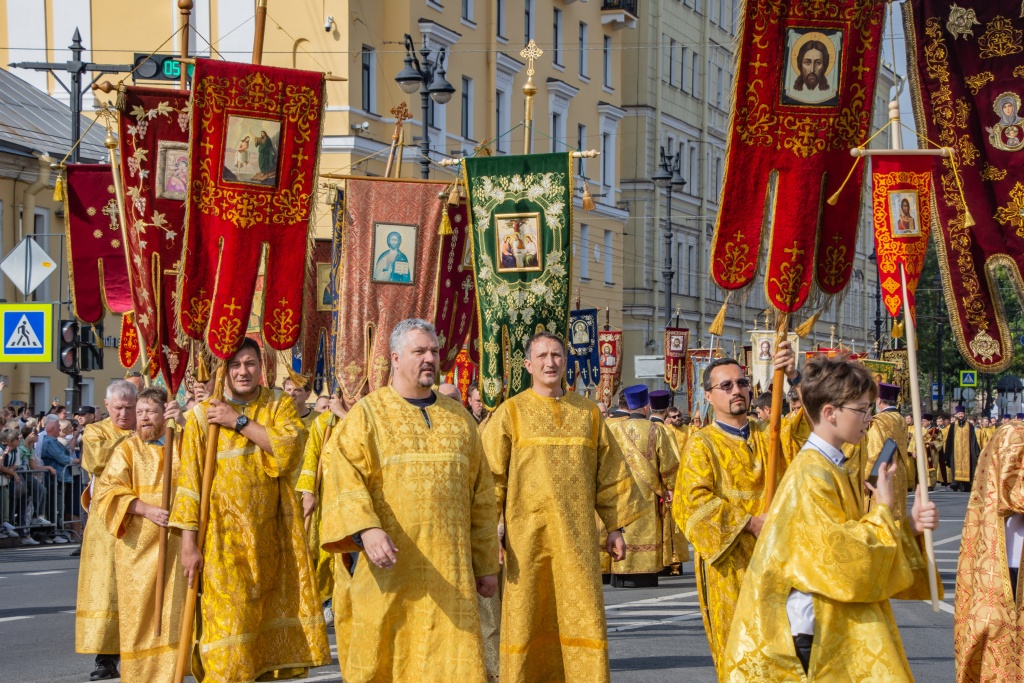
<point x="796" y="380"/>
<point x="241" y="422"/>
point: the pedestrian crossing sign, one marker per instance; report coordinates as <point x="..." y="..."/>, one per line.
<point x="27" y="333"/>
<point x="968" y="378"/>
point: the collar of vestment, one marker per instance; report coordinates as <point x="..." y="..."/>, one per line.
<point x="637" y="416"/>
<point x="655" y="418"/>
<point x="739" y="432"/>
<point x="819" y="444"/>
<point x="547" y="398"/>
<point x="890" y="409"/>
<point x="619" y="413"/>
<point x="157" y="442"/>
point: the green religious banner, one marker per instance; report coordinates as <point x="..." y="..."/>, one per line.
<point x="521" y="209"/>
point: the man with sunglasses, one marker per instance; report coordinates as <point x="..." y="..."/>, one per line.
<point x="719" y="495"/>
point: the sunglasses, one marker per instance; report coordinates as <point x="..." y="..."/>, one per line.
<point x="727" y="385"/>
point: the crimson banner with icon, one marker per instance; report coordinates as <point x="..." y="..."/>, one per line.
<point x="677" y="340"/>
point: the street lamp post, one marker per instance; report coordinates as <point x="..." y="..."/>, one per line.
<point x="667" y="177"/>
<point x="427" y="76"/>
<point x="873" y="257"/>
<point x="939" y="339"/>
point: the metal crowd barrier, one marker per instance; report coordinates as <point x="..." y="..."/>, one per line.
<point x="42" y="497"/>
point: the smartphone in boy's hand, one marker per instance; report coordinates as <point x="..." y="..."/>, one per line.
<point x="885" y="457"/>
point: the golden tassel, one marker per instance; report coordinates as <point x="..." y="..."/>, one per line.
<point x="202" y="370"/>
<point x="834" y="199"/>
<point x="58" y="188"/>
<point x="717" y="326"/>
<point x="121" y="103"/>
<point x="807" y="326"/>
<point x="588" y="200"/>
<point x="897" y="329"/>
<point x="968" y="218"/>
<point x="453" y="195"/>
<point x="446" y="224"/>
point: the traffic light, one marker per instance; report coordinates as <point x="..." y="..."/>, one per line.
<point x="160" y="67"/>
<point x="91" y="348"/>
<point x="67" y="359"/>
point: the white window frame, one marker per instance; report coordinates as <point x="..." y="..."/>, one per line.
<point x="369" y="99"/>
<point x="583" y="50"/>
<point x="609" y="116"/>
<point x="556" y="28"/>
<point x="584" y="252"/>
<point x="507" y="68"/>
<point x="466" y="109"/>
<point x="529" y="20"/>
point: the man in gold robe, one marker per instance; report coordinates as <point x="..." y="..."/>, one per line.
<point x="984" y="432"/>
<point x="299" y="388"/>
<point x="961" y="451"/>
<point x="888" y="424"/>
<point x="650" y="453"/>
<point x="795" y="430"/>
<point x="676" y="549"/>
<point x="408" y="485"/>
<point x="719" y="496"/>
<point x="96" y="618"/>
<point x="815" y="599"/>
<point x="258" y="608"/>
<point x="127" y="500"/>
<point x="988" y="622"/>
<point x="555" y="463"/>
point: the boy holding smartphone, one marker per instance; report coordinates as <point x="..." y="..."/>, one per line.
<point x="824" y="566"/>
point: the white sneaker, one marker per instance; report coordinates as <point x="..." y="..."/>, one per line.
<point x="48" y="540"/>
<point x="28" y="540"/>
<point x="329" y="617"/>
<point x="42" y="521"/>
<point x="60" y="539"/>
<point x="4" y="534"/>
<point x="10" y="527"/>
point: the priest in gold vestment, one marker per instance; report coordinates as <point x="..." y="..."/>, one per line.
<point x="258" y="609"/>
<point x="408" y="485"/>
<point x="96" y="619"/>
<point x="815" y="598"/>
<point x="961" y="451"/>
<point x="127" y="500"/>
<point x="988" y="619"/>
<point x="887" y="424"/>
<point x="555" y="463"/>
<point x="650" y="453"/>
<point x="719" y="496"/>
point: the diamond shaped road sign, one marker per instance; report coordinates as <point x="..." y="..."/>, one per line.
<point x="28" y="266"/>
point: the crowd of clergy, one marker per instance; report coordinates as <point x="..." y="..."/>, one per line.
<point x="448" y="544"/>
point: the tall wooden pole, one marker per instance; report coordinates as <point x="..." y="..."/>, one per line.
<point x="922" y="454"/>
<point x="775" y="425"/>
<point x="186" y="9"/>
<point x="165" y="503"/>
<point x="209" y="463"/>
<point x="261" y="25"/>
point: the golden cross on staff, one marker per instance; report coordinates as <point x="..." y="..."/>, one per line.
<point x="401" y="113"/>
<point x="530" y="53"/>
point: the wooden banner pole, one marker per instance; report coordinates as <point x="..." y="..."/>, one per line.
<point x="775" y="425"/>
<point x="186" y="9"/>
<point x="188" y="615"/>
<point x="922" y="454"/>
<point x="261" y="25"/>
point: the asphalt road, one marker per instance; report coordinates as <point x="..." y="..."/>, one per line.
<point x="653" y="633"/>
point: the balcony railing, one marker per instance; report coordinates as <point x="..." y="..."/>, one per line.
<point x="626" y="5"/>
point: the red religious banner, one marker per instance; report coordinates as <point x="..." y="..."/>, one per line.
<point x="901" y="207"/>
<point x="964" y="60"/>
<point x="154" y="125"/>
<point x="253" y="153"/>
<point x="311" y="350"/>
<point x="677" y="339"/>
<point x="609" y="346"/>
<point x="455" y="311"/>
<point x="463" y="373"/>
<point x="97" y="269"/>
<point x="803" y="94"/>
<point x="128" y="350"/>
<point x="389" y="251"/>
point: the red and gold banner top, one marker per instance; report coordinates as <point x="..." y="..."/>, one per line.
<point x="609" y="347"/>
<point x="153" y="127"/>
<point x="803" y="96"/>
<point x="455" y="310"/>
<point x="901" y="208"/>
<point x="128" y="350"/>
<point x="97" y="269"/>
<point x="966" y="63"/>
<point x="252" y="166"/>
<point x="677" y="340"/>
<point x="462" y="373"/>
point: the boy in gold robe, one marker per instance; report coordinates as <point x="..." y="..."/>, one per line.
<point x="650" y="453"/>
<point x="815" y="599"/>
<point x="407" y="484"/>
<point x="719" y="496"/>
<point x="258" y="608"/>
<point x="988" y="621"/>
<point x="96" y="618"/>
<point x="127" y="500"/>
<point x="555" y="463"/>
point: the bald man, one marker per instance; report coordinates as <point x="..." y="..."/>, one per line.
<point x="451" y="391"/>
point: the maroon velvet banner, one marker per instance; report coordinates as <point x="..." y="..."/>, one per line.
<point x="965" y="61"/>
<point x="97" y="267"/>
<point x="455" y="311"/>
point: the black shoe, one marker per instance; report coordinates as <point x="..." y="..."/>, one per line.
<point x="104" y="673"/>
<point x="76" y="553"/>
